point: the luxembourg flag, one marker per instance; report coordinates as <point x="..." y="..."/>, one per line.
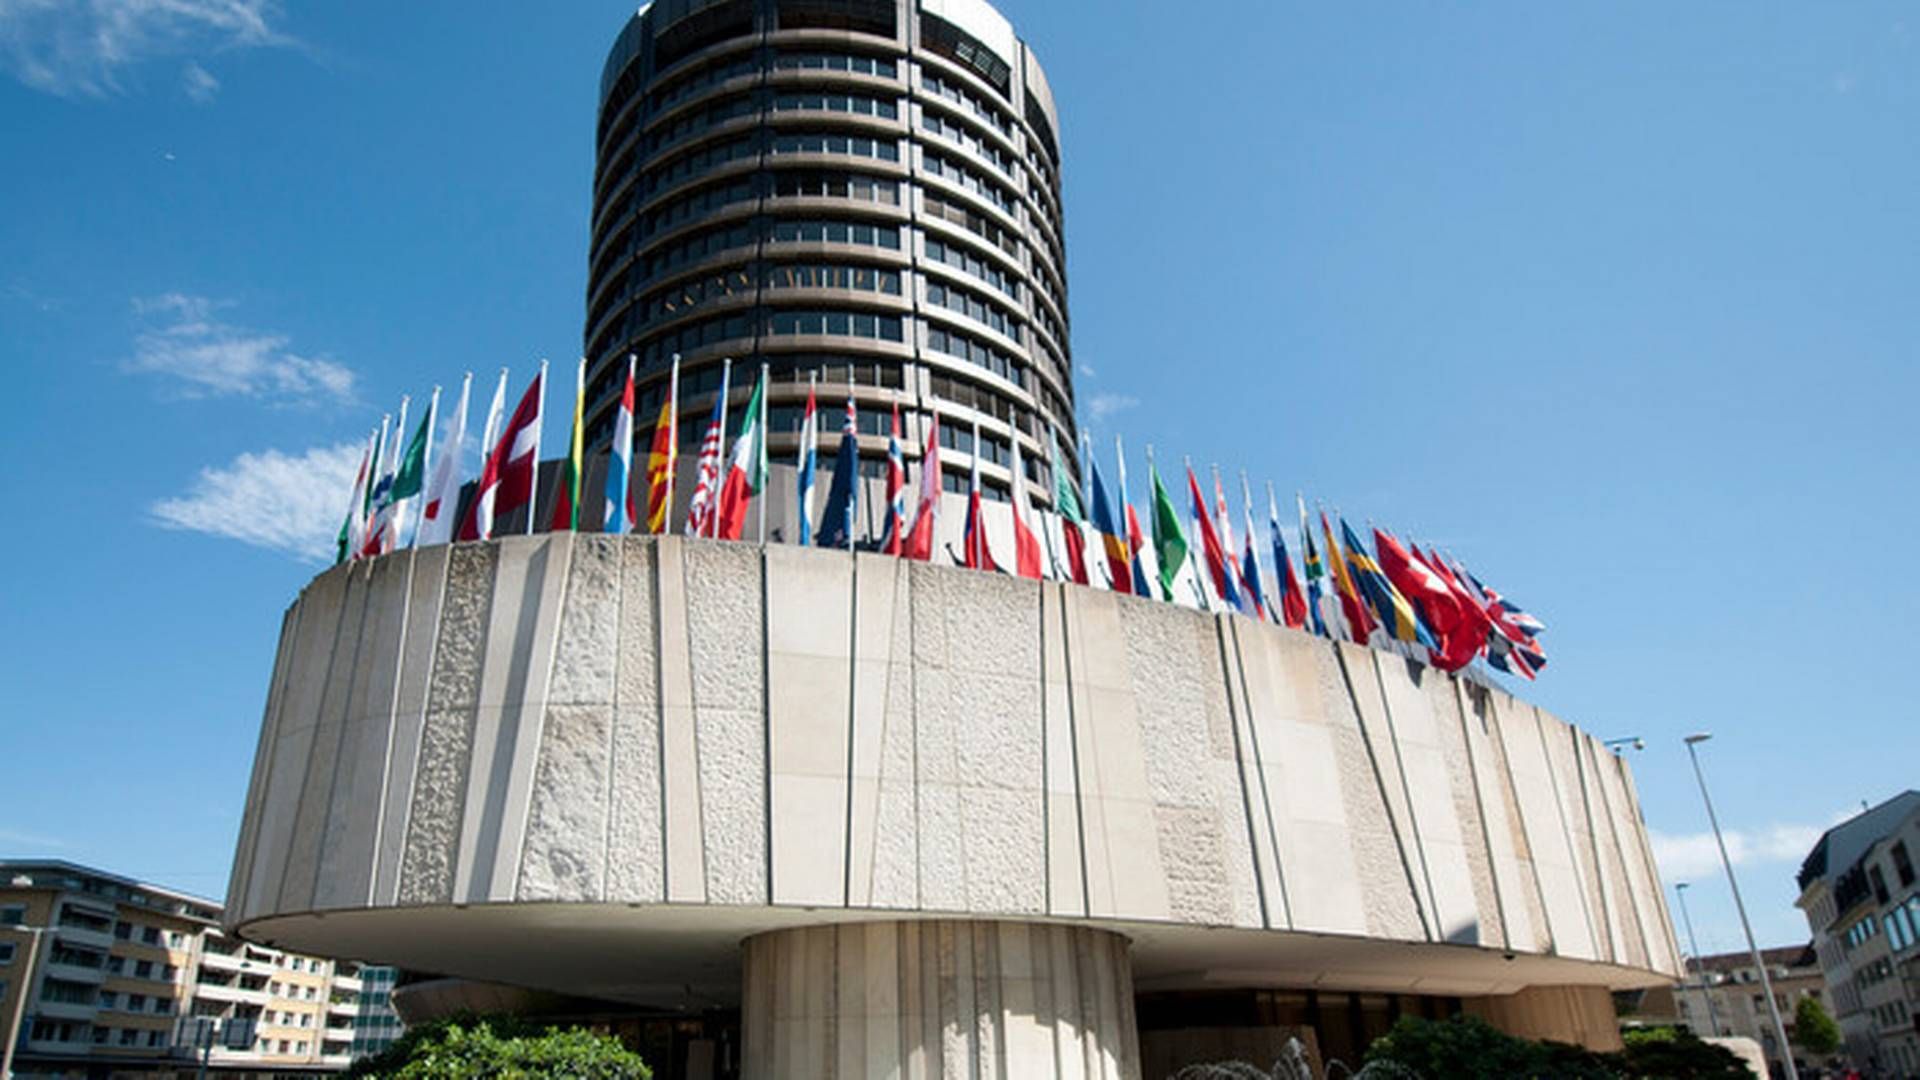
<point x="808" y="460"/>
<point x="619" y="514"/>
<point x="896" y="490"/>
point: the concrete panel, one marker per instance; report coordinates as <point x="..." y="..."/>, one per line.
<point x="410" y="707"/>
<point x="1517" y="896"/>
<point x="566" y="835"/>
<point x="1526" y="901"/>
<point x="1570" y="787"/>
<point x="1666" y="951"/>
<point x="446" y="735"/>
<point x="1424" y="751"/>
<point x="240" y="878"/>
<point x="1374" y="801"/>
<point x="809" y="718"/>
<point x="1066" y="855"/>
<point x="528" y="595"/>
<point x="636" y="843"/>
<point x="1543" y="816"/>
<point x="683" y="824"/>
<point x="1445" y="705"/>
<point x="336" y="701"/>
<point x="347" y="844"/>
<point x="893" y="867"/>
<point x="726" y="643"/>
<point x="1627" y="902"/>
<point x="1125" y="872"/>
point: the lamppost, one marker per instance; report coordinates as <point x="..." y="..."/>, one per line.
<point x="1766" y="982"/>
<point x="20" y="997"/>
<point x="1713" y="1022"/>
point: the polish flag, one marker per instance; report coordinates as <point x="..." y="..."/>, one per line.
<point x="1026" y="543"/>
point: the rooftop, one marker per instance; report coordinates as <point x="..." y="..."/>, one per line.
<point x="1840" y="847"/>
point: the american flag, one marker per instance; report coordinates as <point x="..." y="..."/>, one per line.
<point x="706" y="482"/>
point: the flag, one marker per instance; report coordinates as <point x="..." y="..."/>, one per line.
<point x="496" y="415"/>
<point x="410" y="479"/>
<point x="383" y="523"/>
<point x="706" y="485"/>
<point x="747" y="472"/>
<point x="1396" y="614"/>
<point x="1137" y="550"/>
<point x="1112" y="535"/>
<point x="1169" y="541"/>
<point x="349" y="538"/>
<point x="1316" y="573"/>
<point x="1291" y="604"/>
<point x="838" y="526"/>
<point x="1218" y="566"/>
<point x="1458" y="633"/>
<point x="566" y="502"/>
<point x="619" y="516"/>
<point x="975" y="554"/>
<point x="1473" y="612"/>
<point x="896" y="525"/>
<point x="1510" y="647"/>
<point x="1241" y="600"/>
<point x="663" y="455"/>
<point x="378" y="480"/>
<point x="919" y="542"/>
<point x="443" y="493"/>
<point x="506" y="478"/>
<point x="1066" y="504"/>
<point x="1359" y="623"/>
<point x="1256" y="596"/>
<point x="805" y="463"/>
<point x="1026" y="543"/>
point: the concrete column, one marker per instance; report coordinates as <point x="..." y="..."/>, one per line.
<point x="939" y="999"/>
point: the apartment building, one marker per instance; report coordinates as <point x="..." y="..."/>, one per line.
<point x="1722" y="996"/>
<point x="100" y="973"/>
<point x="1861" y="895"/>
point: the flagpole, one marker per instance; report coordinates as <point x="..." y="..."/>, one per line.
<point x="539" y="422"/>
<point x="853" y="482"/>
<point x="673" y="439"/>
<point x="760" y="453"/>
<point x="719" y="480"/>
<point x="426" y="472"/>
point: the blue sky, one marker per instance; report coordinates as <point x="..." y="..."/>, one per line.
<point x="1616" y="301"/>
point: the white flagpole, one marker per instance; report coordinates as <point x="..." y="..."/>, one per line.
<point x="673" y="436"/>
<point x="853" y="482"/>
<point x="719" y="472"/>
<point x="426" y="472"/>
<point x="1194" y="514"/>
<point x="760" y="454"/>
<point x="539" y="422"/>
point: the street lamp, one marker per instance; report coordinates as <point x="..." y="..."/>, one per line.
<point x="1633" y="742"/>
<point x="1713" y="1022"/>
<point x="1766" y="982"/>
<point x="20" y="997"/>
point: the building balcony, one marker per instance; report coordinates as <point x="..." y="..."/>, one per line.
<point x="80" y="935"/>
<point x="342" y="1033"/>
<point x="349" y="983"/>
<point x="66" y="1010"/>
<point x="74" y="972"/>
<point x="216" y="992"/>
<point x="347" y="1007"/>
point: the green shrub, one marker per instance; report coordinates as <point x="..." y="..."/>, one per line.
<point x="504" y="1047"/>
<point x="1476" y="1050"/>
<point x="1678" y="1053"/>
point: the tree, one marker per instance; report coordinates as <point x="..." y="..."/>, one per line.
<point x="502" y="1046"/>
<point x="1813" y="1028"/>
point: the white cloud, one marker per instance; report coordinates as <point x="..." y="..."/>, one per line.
<point x="1689" y="856"/>
<point x="1086" y="370"/>
<point x="199" y="83"/>
<point x="18" y="838"/>
<point x="83" y="48"/>
<point x="210" y="358"/>
<point x="1105" y="405"/>
<point x="291" y="503"/>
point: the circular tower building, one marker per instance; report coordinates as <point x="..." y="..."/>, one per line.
<point x="862" y="189"/>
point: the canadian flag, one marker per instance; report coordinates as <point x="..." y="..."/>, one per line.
<point x="919" y="544"/>
<point x="506" y="480"/>
<point x="1026" y="542"/>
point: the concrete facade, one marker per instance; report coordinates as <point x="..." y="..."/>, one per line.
<point x="532" y="760"/>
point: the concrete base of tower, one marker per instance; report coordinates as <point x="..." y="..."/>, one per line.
<point x="934" y="998"/>
<point x="1581" y="1015"/>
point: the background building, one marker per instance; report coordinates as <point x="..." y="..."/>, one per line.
<point x="1738" y="1006"/>
<point x="1860" y="894"/>
<point x="126" y="972"/>
<point x="854" y="187"/>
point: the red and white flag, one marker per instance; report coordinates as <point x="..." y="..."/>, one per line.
<point x="1026" y="542"/>
<point x="919" y="542"/>
<point x="506" y="480"/>
<point x="706" y="477"/>
<point x="436" y="516"/>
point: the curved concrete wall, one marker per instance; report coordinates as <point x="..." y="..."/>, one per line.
<point x="753" y="738"/>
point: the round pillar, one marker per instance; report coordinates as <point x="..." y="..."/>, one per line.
<point x="939" y="998"/>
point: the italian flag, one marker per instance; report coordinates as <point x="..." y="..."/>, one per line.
<point x="747" y="472"/>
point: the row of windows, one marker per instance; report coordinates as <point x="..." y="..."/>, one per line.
<point x="778" y="323"/>
<point x="967" y="100"/>
<point x="967" y="262"/>
<point x="698" y="246"/>
<point x="1903" y="925"/>
<point x="858" y="65"/>
<point x="135" y="1003"/>
<point x="685" y="295"/>
<point x="696" y="81"/>
<point x="699" y="160"/>
<point x="977" y="353"/>
<point x="953" y="132"/>
<point x="151" y="1038"/>
<point x="841" y="323"/>
<point x="974" y="307"/>
<point x="698" y="204"/>
<point x="699" y="120"/>
<point x="1861" y="932"/>
<point x="835" y="185"/>
<point x="1892" y="1014"/>
<point x="822" y="143"/>
<point x="834" y="276"/>
<point x="974" y="222"/>
<point x="837" y="232"/>
<point x="853" y="104"/>
<point x="955" y="173"/>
